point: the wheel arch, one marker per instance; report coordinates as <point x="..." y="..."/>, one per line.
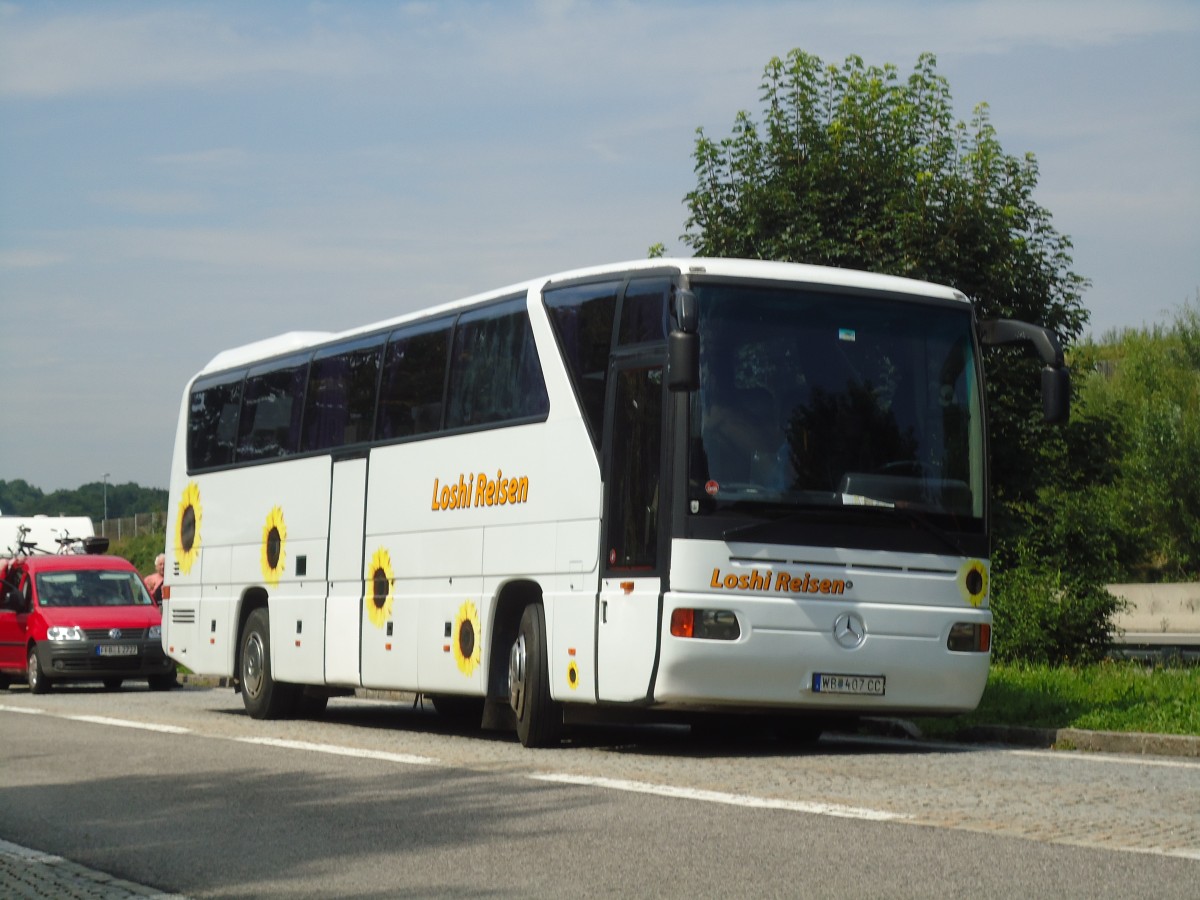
<point x="511" y="600"/>
<point x="252" y="598"/>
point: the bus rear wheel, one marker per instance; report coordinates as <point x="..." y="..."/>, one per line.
<point x="262" y="695"/>
<point x="539" y="718"/>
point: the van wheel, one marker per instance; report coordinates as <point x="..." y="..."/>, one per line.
<point x="539" y="719"/>
<point x="262" y="695"/>
<point x="38" y="682"/>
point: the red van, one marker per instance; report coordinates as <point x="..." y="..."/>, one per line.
<point x="79" y="618"/>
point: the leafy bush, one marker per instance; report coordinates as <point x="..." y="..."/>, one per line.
<point x="140" y="550"/>
<point x="1046" y="616"/>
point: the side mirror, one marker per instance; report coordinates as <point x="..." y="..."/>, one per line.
<point x="1056" y="395"/>
<point x="683" y="304"/>
<point x="1056" y="378"/>
<point x="683" y="361"/>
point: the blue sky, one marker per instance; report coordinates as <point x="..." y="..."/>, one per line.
<point x="180" y="178"/>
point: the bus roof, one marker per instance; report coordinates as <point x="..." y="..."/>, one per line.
<point x="798" y="273"/>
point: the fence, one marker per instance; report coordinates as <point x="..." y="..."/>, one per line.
<point x="131" y="526"/>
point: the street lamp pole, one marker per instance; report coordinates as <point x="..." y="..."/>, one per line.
<point x="106" y="502"/>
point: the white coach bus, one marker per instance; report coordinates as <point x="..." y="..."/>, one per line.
<point x="697" y="487"/>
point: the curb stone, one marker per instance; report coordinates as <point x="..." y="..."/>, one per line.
<point x="1134" y="743"/>
<point x="32" y="873"/>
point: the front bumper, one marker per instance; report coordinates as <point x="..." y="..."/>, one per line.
<point x="92" y="660"/>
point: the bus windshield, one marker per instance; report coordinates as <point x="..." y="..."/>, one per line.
<point x="814" y="398"/>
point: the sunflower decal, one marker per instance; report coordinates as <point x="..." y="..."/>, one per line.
<point x="973" y="582"/>
<point x="466" y="638"/>
<point x="379" y="588"/>
<point x="274" y="539"/>
<point x="187" y="528"/>
<point x="572" y="675"/>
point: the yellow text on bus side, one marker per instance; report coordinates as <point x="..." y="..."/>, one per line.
<point x="476" y="490"/>
<point x="780" y="582"/>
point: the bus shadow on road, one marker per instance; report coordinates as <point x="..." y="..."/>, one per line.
<point x="717" y="738"/>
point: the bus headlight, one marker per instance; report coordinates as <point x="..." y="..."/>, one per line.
<point x="64" y="633"/>
<point x="710" y="624"/>
<point x="969" y="637"/>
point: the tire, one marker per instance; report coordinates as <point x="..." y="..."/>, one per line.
<point x="113" y="684"/>
<point x="539" y="718"/>
<point x="262" y="695"/>
<point x="36" y="678"/>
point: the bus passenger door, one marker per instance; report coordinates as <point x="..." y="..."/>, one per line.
<point x="631" y="584"/>
<point x="343" y="603"/>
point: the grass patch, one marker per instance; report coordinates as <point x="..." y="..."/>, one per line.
<point x="1109" y="696"/>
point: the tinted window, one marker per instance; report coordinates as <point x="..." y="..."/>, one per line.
<point x="633" y="492"/>
<point x="582" y="316"/>
<point x="414" y="378"/>
<point x="213" y="421"/>
<point x="340" y="403"/>
<point x="271" y="410"/>
<point x="644" y="311"/>
<point x="495" y="373"/>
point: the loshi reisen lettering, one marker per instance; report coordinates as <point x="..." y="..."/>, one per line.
<point x="779" y="582"/>
<point x="479" y="490"/>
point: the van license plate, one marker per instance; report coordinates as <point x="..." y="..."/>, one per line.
<point x="871" y="685"/>
<point x="117" y="650"/>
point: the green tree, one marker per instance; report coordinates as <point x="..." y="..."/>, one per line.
<point x="854" y="166"/>
<point x="1141" y="390"/>
<point x="19" y="498"/>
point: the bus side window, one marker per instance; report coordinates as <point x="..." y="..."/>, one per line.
<point x="414" y="378"/>
<point x="213" y="421"/>
<point x="644" y="311"/>
<point x="271" y="410"/>
<point x="339" y="406"/>
<point x="582" y="316"/>
<point x="495" y="373"/>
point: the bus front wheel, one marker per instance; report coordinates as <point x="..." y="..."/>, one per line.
<point x="263" y="696"/>
<point x="539" y="718"/>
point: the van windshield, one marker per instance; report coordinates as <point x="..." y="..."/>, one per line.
<point x="91" y="588"/>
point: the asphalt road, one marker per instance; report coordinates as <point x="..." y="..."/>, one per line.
<point x="184" y="793"/>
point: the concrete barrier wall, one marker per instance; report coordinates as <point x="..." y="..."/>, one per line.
<point x="1159" y="613"/>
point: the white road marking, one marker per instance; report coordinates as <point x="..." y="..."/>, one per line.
<point x="670" y="791"/>
<point x="1084" y="756"/>
<point x="126" y="723"/>
<point x="747" y="800"/>
<point x="407" y="759"/>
